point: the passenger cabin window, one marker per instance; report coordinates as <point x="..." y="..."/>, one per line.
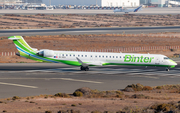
<point x="109" y="56"/>
<point x="70" y="55"/>
<point x="113" y="56"/>
<point x="66" y="54"/>
<point x="116" y="56"/>
<point x="103" y="56"/>
<point x="81" y="55"/>
<point x="85" y="55"/>
<point x="91" y="55"/>
<point x="106" y="56"/>
<point x="120" y="57"/>
<point x="62" y="54"/>
<point x="96" y="56"/>
<point x="78" y="55"/>
<point x="74" y="55"/>
<point x="99" y="56"/>
<point x="166" y="58"/>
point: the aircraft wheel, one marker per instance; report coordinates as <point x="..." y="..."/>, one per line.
<point x="167" y="69"/>
<point x="84" y="68"/>
<point x="81" y="68"/>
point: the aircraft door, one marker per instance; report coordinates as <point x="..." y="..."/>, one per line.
<point x="59" y="55"/>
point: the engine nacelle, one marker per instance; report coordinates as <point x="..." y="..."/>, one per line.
<point x="46" y="53"/>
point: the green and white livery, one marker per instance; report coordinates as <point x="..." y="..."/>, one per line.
<point x="86" y="59"/>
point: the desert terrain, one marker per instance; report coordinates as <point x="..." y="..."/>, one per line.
<point x="43" y="21"/>
<point x="135" y="98"/>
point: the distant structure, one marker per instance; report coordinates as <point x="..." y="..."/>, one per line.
<point x="102" y="3"/>
<point x="32" y="1"/>
<point x="9" y="2"/>
<point x="15" y="2"/>
<point x="161" y="3"/>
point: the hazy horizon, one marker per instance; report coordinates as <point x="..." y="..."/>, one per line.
<point x="53" y="2"/>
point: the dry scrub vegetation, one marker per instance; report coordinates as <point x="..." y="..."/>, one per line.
<point x="135" y="98"/>
<point x="13" y="21"/>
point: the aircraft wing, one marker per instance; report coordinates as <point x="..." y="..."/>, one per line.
<point x="88" y="63"/>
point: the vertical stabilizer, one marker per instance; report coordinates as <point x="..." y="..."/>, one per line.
<point x="138" y="8"/>
<point x="22" y="46"/>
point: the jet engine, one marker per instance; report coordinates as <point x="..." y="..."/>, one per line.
<point x="46" y="53"/>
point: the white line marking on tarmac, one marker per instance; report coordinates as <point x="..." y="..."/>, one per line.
<point x="17" y="85"/>
<point x="70" y="79"/>
<point x="80" y="80"/>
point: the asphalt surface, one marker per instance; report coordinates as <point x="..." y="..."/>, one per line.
<point x="24" y="79"/>
<point x="77" y="31"/>
<point x="146" y="11"/>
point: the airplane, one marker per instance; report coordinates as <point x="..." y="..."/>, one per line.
<point x="127" y="10"/>
<point x="86" y="59"/>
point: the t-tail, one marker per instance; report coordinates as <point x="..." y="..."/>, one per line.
<point x="24" y="49"/>
<point x="138" y="8"/>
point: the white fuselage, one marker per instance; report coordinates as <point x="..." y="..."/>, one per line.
<point x="103" y="58"/>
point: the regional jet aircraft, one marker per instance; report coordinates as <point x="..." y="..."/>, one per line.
<point x="86" y="59"/>
<point x="127" y="10"/>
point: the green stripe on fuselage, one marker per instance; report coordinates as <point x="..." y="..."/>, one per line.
<point x="136" y="64"/>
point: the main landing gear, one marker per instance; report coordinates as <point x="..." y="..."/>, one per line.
<point x="84" y="68"/>
<point x="167" y="69"/>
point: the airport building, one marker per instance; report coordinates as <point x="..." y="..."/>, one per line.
<point x="32" y="1"/>
<point x="11" y="2"/>
<point x="102" y="3"/>
<point x="161" y="3"/>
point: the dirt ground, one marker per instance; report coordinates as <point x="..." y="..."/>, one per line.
<point x="107" y="42"/>
<point x="127" y="102"/>
<point x="12" y="21"/>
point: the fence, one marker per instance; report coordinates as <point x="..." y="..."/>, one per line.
<point x="130" y="49"/>
<point x="7" y="53"/>
<point x="134" y="49"/>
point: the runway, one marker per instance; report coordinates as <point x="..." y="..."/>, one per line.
<point x="77" y="31"/>
<point x="146" y="11"/>
<point x="43" y="78"/>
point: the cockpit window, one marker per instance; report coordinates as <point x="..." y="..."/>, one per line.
<point x="166" y="58"/>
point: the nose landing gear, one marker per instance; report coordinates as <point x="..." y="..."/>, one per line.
<point x="167" y="69"/>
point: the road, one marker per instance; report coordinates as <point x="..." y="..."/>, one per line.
<point x="77" y="31"/>
<point x="24" y="79"/>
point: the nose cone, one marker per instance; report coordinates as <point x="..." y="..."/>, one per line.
<point x="172" y="63"/>
<point x="175" y="63"/>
